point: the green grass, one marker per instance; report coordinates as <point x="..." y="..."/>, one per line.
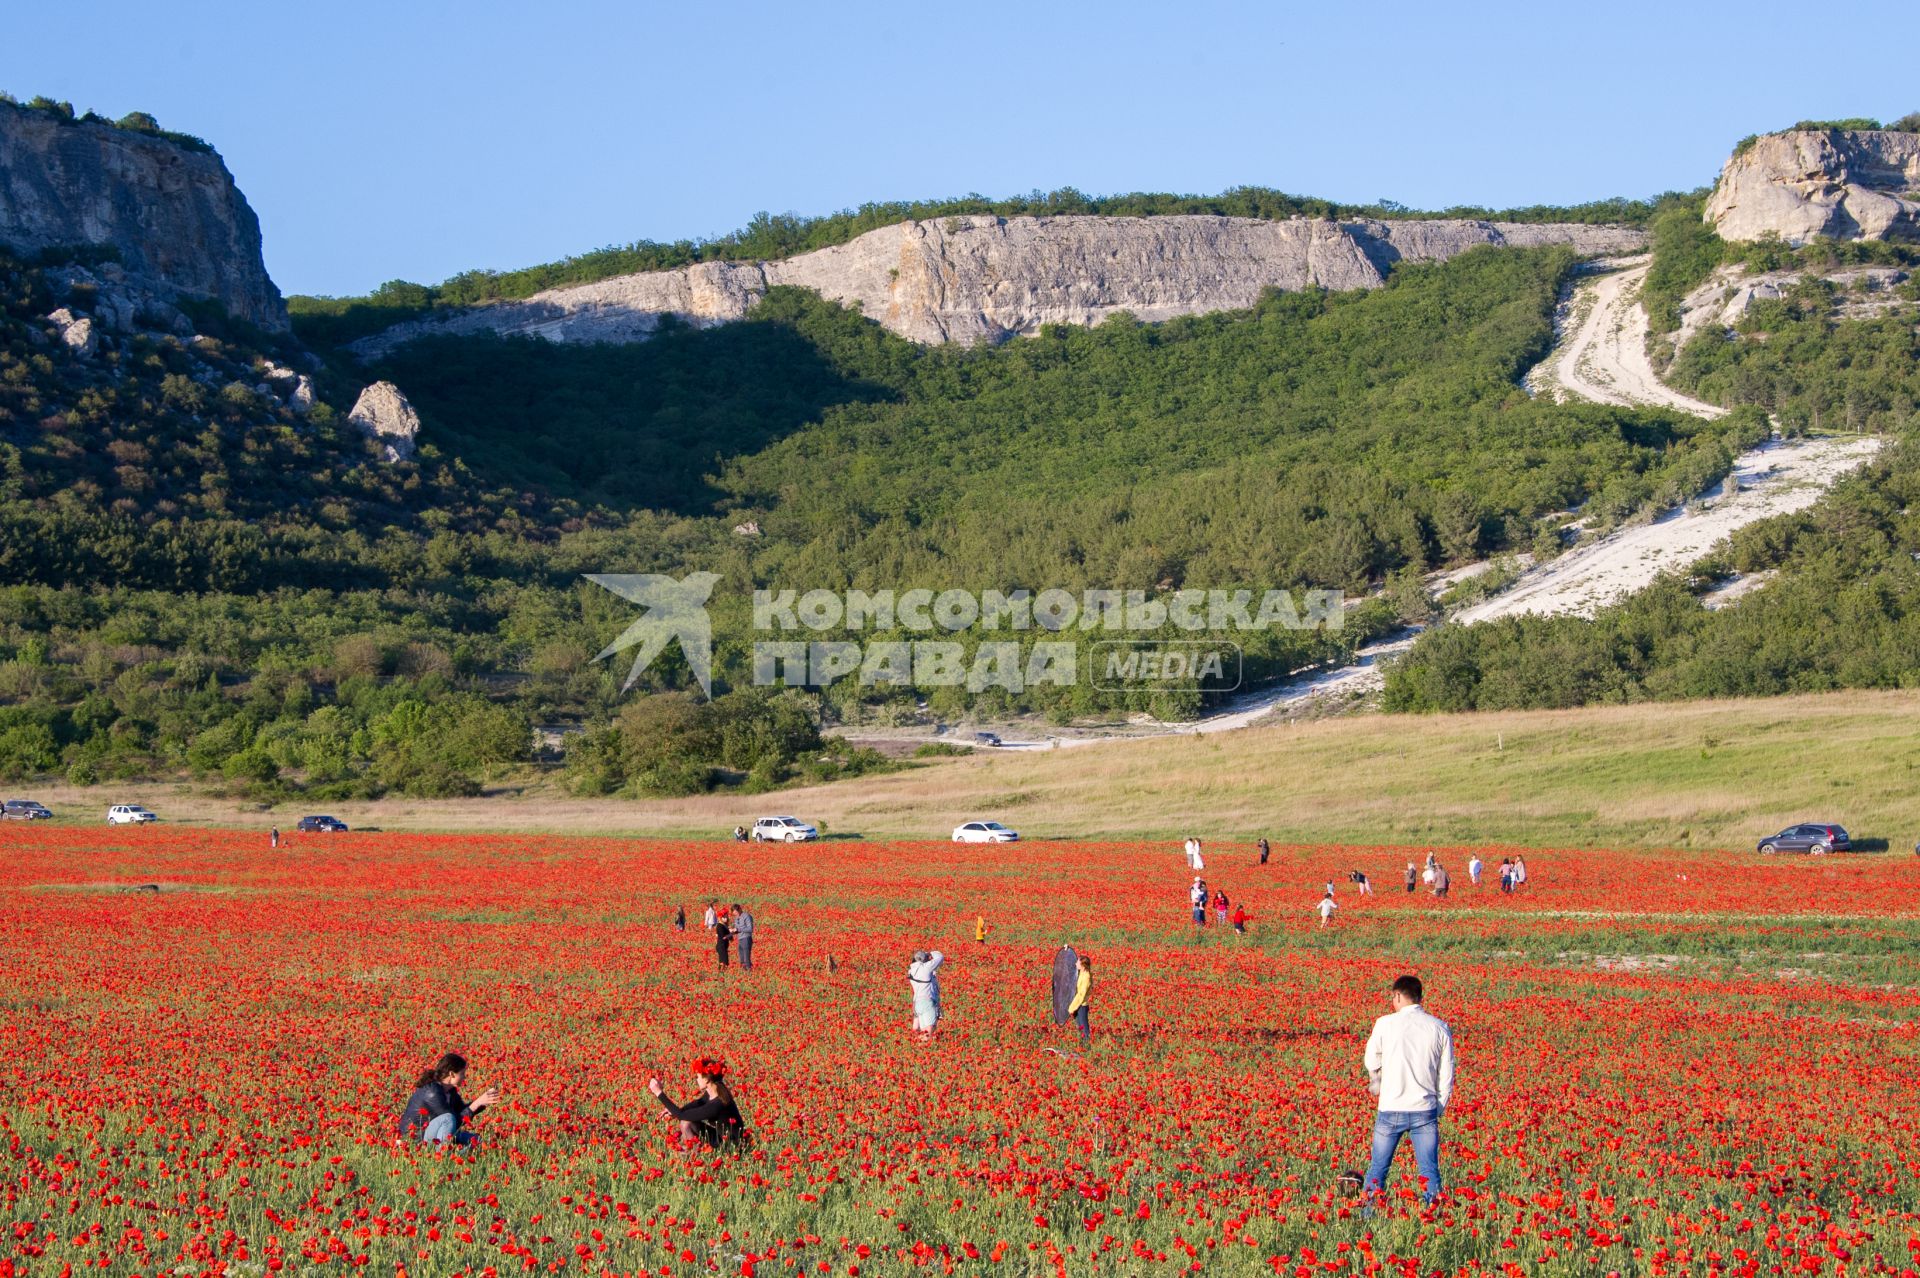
<point x="1701" y="774"/>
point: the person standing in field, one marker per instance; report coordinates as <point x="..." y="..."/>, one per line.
<point x="1441" y="881"/>
<point x="1220" y="907"/>
<point x="680" y="918"/>
<point x="1473" y="868"/>
<point x="1082" y="998"/>
<point x="1506" y="874"/>
<point x="274" y="842"/>
<point x="1362" y="884"/>
<point x="1326" y="907"/>
<point x="1198" y="895"/>
<point x="712" y="918"/>
<point x="1240" y="917"/>
<point x="1409" y="1061"/>
<point x="980" y="929"/>
<point x="1412" y="877"/>
<point x="743" y="935"/>
<point x="1519" y="872"/>
<point x="722" y="938"/>
<point x="923" y="977"/>
<point x="1263" y="849"/>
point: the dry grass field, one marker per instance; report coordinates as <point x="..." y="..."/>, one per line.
<point x="1701" y="774"/>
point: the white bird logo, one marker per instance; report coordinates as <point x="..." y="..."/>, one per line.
<point x="676" y="609"/>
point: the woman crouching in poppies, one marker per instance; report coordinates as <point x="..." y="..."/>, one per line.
<point x="711" y="1117"/>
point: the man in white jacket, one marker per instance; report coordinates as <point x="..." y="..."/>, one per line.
<point x="1410" y="1068"/>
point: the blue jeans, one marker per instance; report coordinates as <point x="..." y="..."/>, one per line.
<point x="1199" y="916"/>
<point x="444" y="1129"/>
<point x="746" y="952"/>
<point x="1080" y="1019"/>
<point x="1423" y="1126"/>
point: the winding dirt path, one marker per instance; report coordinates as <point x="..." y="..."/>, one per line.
<point x="1602" y="354"/>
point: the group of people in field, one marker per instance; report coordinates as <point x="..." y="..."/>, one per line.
<point x="1434" y="876"/>
<point x="1408" y="1059"/>
<point x="731" y="925"/>
<point x="1409" y="1063"/>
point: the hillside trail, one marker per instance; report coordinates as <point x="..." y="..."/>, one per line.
<point x="1600" y="356"/>
<point x="1601" y="351"/>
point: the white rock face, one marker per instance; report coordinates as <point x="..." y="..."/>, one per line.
<point x="1846" y="184"/>
<point x="385" y="416"/>
<point x="978" y="278"/>
<point x="76" y="331"/>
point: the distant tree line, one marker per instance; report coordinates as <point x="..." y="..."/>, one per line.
<point x="133" y="121"/>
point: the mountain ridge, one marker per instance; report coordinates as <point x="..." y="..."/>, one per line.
<point x="970" y="279"/>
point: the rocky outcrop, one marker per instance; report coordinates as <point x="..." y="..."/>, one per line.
<point x="171" y="212"/>
<point x="1845" y="184"/>
<point x="1723" y="299"/>
<point x="76" y="331"/>
<point x="979" y="278"/>
<point x="383" y="414"/>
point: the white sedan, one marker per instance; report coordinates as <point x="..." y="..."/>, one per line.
<point x="984" y="832"/>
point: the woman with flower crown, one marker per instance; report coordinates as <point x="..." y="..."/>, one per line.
<point x="712" y="1117"/>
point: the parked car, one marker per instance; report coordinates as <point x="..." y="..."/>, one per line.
<point x="23" y="810"/>
<point x="1813" y="839"/>
<point x="986" y="738"/>
<point x="984" y="832"/>
<point x="129" y="814"/>
<point x="783" y="829"/>
<point x="322" y="825"/>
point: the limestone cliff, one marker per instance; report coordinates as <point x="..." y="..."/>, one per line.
<point x="982" y="278"/>
<point x="1850" y="184"/>
<point x="172" y="212"/>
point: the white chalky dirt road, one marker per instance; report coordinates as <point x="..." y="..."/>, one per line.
<point x="1602" y="355"/>
<point x="1774" y="479"/>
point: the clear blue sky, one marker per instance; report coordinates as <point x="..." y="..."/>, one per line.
<point x="413" y="140"/>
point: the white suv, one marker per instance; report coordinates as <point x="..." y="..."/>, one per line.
<point x="129" y="814"/>
<point x="783" y="829"/>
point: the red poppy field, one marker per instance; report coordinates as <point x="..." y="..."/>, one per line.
<point x="1670" y="1063"/>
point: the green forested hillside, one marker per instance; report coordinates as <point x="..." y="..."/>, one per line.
<point x="1841" y="603"/>
<point x="1323" y="439"/>
<point x="201" y="580"/>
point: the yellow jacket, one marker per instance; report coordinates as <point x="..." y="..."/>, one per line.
<point x="1081" y="991"/>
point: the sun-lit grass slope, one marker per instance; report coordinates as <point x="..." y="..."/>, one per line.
<point x="1698" y="774"/>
